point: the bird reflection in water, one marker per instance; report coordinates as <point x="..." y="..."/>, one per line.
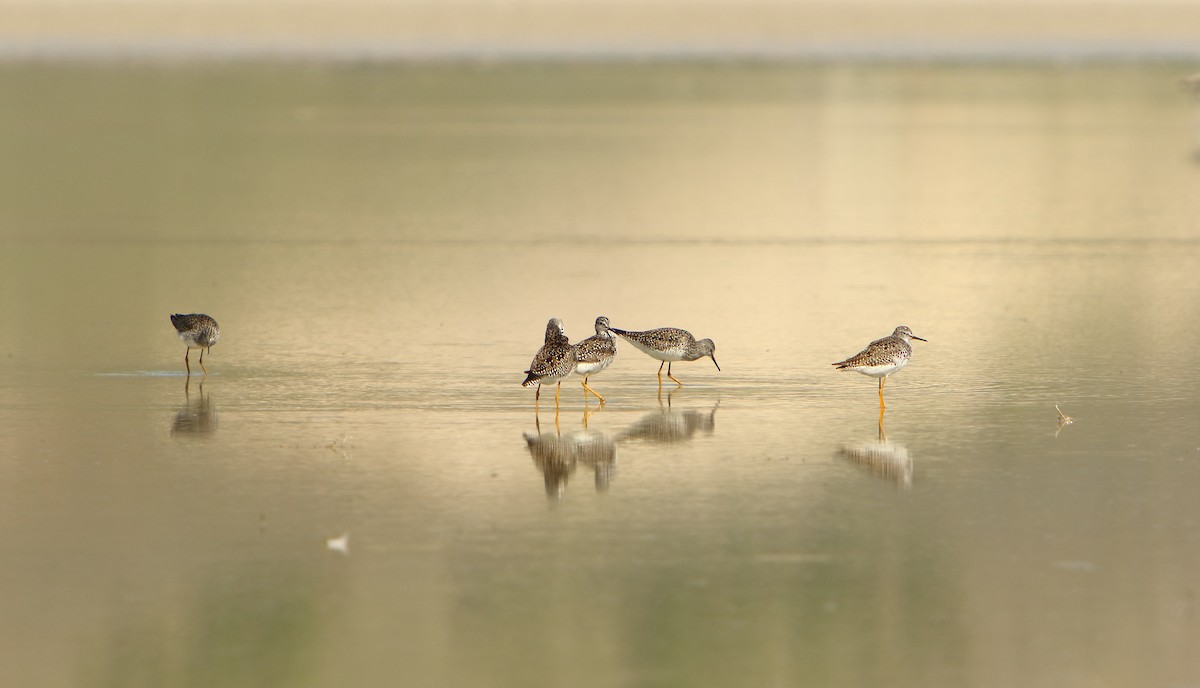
<point x="883" y="458"/>
<point x="198" y="416"/>
<point x="668" y="425"/>
<point x="557" y="456"/>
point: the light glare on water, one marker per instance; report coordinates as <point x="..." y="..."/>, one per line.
<point x="360" y="493"/>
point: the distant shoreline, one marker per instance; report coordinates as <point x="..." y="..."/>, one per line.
<point x="44" y="51"/>
<point x="817" y="31"/>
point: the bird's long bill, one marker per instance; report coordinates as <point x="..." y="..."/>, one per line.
<point x="714" y="358"/>
<point x="920" y="339"/>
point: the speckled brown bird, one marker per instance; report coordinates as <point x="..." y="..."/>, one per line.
<point x="553" y="362"/>
<point x="882" y="357"/>
<point x="595" y="354"/>
<point x="669" y="344"/>
<point x="198" y="331"/>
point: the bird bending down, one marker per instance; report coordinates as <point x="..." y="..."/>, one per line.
<point x="595" y="354"/>
<point x="198" y="331"/>
<point x="669" y="344"/>
<point x="882" y="357"/>
<point x="553" y="362"/>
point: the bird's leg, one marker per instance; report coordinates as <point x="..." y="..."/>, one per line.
<point x="672" y="376"/>
<point x="536" y="397"/>
<point x="185" y="361"/>
<point x="881" y="404"/>
<point x="587" y="389"/>
<point x="660" y="365"/>
<point x="202" y="362"/>
<point x="557" y="389"/>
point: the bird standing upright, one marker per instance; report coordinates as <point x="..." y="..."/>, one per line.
<point x="595" y="354"/>
<point x="882" y="357"/>
<point x="553" y="362"/>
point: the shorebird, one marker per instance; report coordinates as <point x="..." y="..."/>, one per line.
<point x="553" y="362"/>
<point x="595" y="354"/>
<point x="669" y="344"/>
<point x="198" y="331"/>
<point x="882" y="357"/>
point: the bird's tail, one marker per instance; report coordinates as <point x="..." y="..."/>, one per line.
<point x="530" y="380"/>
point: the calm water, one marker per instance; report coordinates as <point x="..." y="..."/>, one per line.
<point x="383" y="246"/>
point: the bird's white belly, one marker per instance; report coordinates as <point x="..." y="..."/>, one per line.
<point x="591" y="368"/>
<point x="667" y="355"/>
<point x="881" y="370"/>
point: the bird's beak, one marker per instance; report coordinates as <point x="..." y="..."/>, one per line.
<point x="714" y="358"/>
<point x="920" y="339"/>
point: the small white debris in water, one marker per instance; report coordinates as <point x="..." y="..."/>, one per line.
<point x="1062" y="417"/>
<point x="340" y="543"/>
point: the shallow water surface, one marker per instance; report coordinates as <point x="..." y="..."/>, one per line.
<point x="383" y="246"/>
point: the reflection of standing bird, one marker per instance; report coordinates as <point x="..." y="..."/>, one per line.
<point x="198" y="331"/>
<point x="882" y="357"/>
<point x="595" y="354"/>
<point x="883" y="458"/>
<point x="553" y="362"/>
<point x="669" y="426"/>
<point x="595" y="450"/>
<point x="555" y="458"/>
<point x="669" y="344"/>
<point x="197" y="417"/>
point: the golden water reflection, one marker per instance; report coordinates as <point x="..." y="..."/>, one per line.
<point x="669" y="426"/>
<point x="882" y="457"/>
<point x="791" y="207"/>
<point x="557" y="456"/>
<point x="198" y="415"/>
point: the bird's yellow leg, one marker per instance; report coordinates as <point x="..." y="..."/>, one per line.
<point x="557" y="389"/>
<point x="660" y="365"/>
<point x="202" y="362"/>
<point x="881" y="404"/>
<point x="536" y="397"/>
<point x="672" y="376"/>
<point x="185" y="361"/>
<point x="587" y="389"/>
